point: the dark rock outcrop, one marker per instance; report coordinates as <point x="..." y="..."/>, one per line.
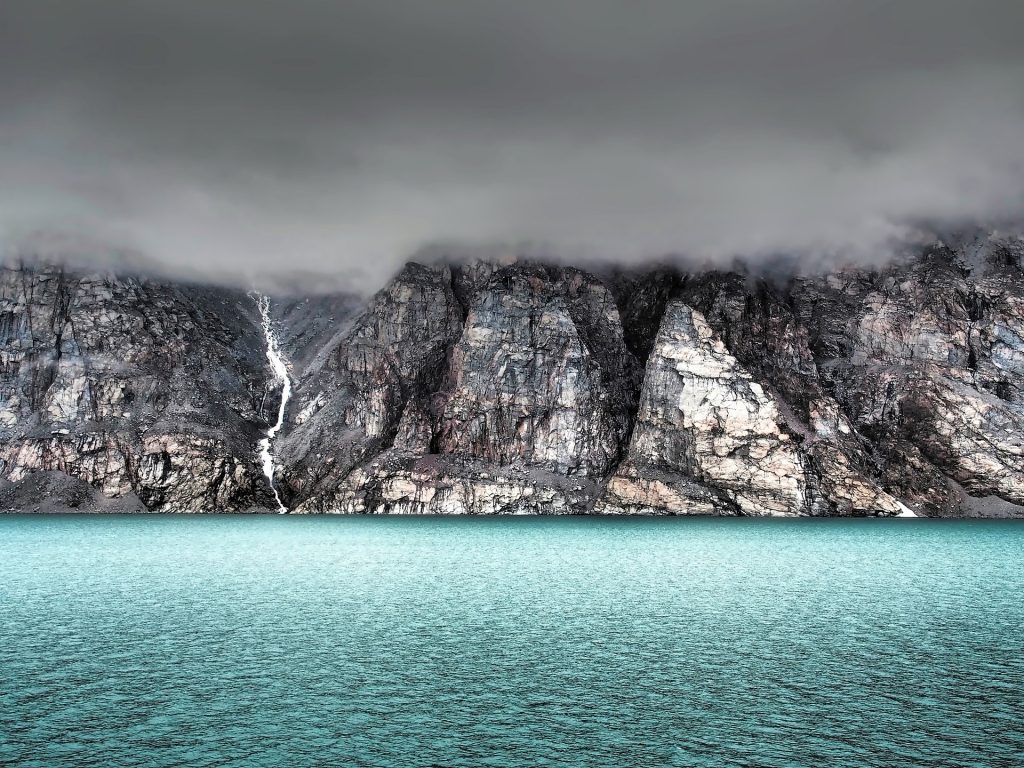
<point x="133" y="386"/>
<point x="371" y="383"/>
<point x="528" y="388"/>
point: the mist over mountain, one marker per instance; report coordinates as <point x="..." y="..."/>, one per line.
<point x="243" y="141"/>
<point x="501" y="387"/>
<point x="707" y="258"/>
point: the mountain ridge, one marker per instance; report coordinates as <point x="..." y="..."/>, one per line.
<point x="526" y="387"/>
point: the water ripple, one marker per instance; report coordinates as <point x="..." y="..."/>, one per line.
<point x="170" y="641"/>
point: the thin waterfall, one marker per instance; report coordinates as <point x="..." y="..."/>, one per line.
<point x="280" y="370"/>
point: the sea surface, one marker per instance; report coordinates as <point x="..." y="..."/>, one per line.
<point x="280" y="641"/>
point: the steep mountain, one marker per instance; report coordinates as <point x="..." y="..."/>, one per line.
<point x="142" y="389"/>
<point x="533" y="388"/>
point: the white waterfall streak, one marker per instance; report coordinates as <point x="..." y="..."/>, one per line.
<point x="277" y="365"/>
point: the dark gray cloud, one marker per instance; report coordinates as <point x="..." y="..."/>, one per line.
<point x="241" y="137"/>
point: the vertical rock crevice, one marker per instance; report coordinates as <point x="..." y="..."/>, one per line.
<point x="528" y="388"/>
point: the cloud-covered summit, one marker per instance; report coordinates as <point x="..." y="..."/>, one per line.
<point x="245" y="137"/>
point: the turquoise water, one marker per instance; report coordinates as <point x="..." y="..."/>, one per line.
<point x="276" y="641"/>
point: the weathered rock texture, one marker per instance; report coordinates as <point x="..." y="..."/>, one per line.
<point x="524" y="388"/>
<point x="706" y="422"/>
<point x="138" y="388"/>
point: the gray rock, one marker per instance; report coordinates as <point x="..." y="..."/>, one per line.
<point x="56" y="492"/>
<point x="134" y="386"/>
<point x="520" y="388"/>
<point x="350" y="400"/>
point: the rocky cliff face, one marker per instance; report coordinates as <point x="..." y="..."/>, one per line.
<point x="140" y="389"/>
<point x="525" y="388"/>
<point x="708" y="438"/>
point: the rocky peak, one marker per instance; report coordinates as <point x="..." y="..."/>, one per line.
<point x="524" y="387"/>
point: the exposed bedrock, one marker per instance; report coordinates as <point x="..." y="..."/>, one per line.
<point x="525" y="388"/>
<point x="136" y="387"/>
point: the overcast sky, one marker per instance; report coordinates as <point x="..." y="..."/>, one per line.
<point x="339" y="136"/>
